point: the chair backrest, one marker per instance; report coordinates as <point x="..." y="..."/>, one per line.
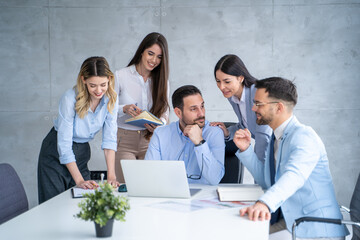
<point x="13" y="200"/>
<point x="234" y="170"/>
<point x="355" y="209"/>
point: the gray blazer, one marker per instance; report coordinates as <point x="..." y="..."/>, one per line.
<point x="261" y="133"/>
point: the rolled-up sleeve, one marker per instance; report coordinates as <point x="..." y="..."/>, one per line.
<point x="211" y="155"/>
<point x="64" y="127"/>
<point x="109" y="133"/>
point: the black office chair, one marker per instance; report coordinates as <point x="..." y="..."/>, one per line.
<point x="234" y="169"/>
<point x="354" y="215"/>
<point x="13" y="200"/>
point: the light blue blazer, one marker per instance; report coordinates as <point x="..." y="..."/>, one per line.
<point x="261" y="133"/>
<point x="303" y="184"/>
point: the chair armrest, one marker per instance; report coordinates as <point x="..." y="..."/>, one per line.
<point x="311" y="219"/>
<point x="345" y="209"/>
<point x="228" y="124"/>
<point x="316" y="219"/>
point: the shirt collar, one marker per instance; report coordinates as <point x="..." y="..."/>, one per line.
<point x="133" y="69"/>
<point x="135" y="72"/>
<point x="279" y="131"/>
<point x="102" y="102"/>
<point x="241" y="100"/>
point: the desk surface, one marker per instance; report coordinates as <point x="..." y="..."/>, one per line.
<point x="148" y="218"/>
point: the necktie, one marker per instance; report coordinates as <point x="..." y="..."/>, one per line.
<point x="272" y="160"/>
<point x="275" y="216"/>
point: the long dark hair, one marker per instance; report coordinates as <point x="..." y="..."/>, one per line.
<point x="159" y="75"/>
<point x="232" y="65"/>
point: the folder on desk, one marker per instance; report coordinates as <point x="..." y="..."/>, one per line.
<point x="144" y="117"/>
<point x="239" y="192"/>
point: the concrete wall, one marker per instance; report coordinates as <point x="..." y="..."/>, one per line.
<point x="44" y="42"/>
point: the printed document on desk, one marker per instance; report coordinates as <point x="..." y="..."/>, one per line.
<point x="144" y="117"/>
<point x="79" y="192"/>
<point x="239" y="192"/>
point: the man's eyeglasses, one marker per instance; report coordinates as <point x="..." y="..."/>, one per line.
<point x="259" y="104"/>
<point x="194" y="176"/>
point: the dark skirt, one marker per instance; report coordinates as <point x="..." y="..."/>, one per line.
<point x="53" y="177"/>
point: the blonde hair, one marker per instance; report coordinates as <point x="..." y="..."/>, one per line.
<point x="93" y="66"/>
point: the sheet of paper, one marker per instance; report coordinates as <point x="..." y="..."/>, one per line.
<point x="215" y="203"/>
<point x="198" y="204"/>
<point x="177" y="206"/>
<point x="78" y="192"/>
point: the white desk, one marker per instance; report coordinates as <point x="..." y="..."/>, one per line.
<point x="54" y="220"/>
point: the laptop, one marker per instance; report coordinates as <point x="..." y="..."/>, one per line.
<point x="156" y="178"/>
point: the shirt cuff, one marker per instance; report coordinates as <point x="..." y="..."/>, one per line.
<point x="111" y="146"/>
<point x="241" y="154"/>
<point x="121" y="111"/>
<point x="261" y="201"/>
<point x="68" y="159"/>
<point x="163" y="120"/>
<point x="227" y="138"/>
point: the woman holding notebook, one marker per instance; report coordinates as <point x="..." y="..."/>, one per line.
<point x="141" y="86"/>
<point x="84" y="110"/>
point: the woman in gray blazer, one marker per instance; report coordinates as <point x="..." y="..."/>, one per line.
<point x="236" y="84"/>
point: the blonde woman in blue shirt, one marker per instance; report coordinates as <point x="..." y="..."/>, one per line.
<point x="84" y="110"/>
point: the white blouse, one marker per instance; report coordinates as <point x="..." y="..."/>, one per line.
<point x="132" y="89"/>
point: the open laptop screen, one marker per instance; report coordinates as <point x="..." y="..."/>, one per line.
<point x="156" y="178"/>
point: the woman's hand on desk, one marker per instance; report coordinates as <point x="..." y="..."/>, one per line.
<point x="90" y="184"/>
<point x="258" y="211"/>
<point x="113" y="182"/>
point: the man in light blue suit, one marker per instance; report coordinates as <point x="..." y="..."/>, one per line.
<point x="295" y="173"/>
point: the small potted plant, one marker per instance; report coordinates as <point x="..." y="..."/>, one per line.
<point x="103" y="207"/>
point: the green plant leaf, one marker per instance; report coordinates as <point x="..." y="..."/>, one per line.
<point x="103" y="205"/>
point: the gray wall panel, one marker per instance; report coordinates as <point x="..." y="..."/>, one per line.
<point x="106" y="4"/>
<point x="21" y="137"/>
<point x="215" y="3"/>
<point x="318" y="46"/>
<point x="340" y="131"/>
<point x="198" y="43"/>
<point x="25" y="59"/>
<point x="85" y="32"/>
<point x="44" y="42"/>
<point x="24" y="3"/>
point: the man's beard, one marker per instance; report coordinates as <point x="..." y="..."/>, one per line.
<point x="201" y="125"/>
<point x="264" y="120"/>
<point x="193" y="122"/>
